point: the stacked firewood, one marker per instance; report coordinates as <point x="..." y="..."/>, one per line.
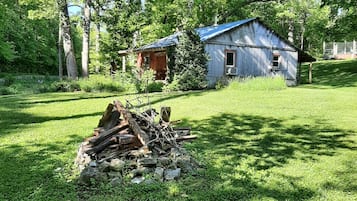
<point x="132" y="137"/>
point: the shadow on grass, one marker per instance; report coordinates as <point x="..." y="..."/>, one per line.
<point x="239" y="148"/>
<point x="28" y="172"/>
<point x="332" y="74"/>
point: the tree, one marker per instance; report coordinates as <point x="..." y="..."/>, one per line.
<point x="86" y="38"/>
<point x="344" y="19"/>
<point x="70" y="59"/>
<point x="190" y="62"/>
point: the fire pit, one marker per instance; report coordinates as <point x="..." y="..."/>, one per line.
<point x="128" y="145"/>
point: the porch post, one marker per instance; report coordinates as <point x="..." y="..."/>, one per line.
<point x="123" y="64"/>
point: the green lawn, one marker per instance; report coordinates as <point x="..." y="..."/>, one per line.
<point x="298" y="143"/>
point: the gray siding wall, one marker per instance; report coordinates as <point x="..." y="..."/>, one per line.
<point x="254" y="46"/>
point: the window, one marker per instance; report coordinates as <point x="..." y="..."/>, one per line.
<point x="276" y="62"/>
<point x="230" y="58"/>
<point x="147" y="62"/>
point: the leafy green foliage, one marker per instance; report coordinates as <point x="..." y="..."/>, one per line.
<point x="190" y="62"/>
<point x="27" y="43"/>
<point x="146" y="82"/>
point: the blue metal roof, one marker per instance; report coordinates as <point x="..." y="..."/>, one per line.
<point x="205" y="33"/>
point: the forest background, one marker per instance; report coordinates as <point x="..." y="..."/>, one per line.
<point x="42" y="36"/>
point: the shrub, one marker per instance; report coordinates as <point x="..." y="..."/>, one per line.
<point x="190" y="60"/>
<point x="222" y="82"/>
<point x="9" y="80"/>
<point x="144" y="80"/>
<point x="8" y="90"/>
<point x="173" y="86"/>
<point x="66" y="86"/>
<point x="155" y="86"/>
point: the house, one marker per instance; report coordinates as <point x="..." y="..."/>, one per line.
<point x="242" y="48"/>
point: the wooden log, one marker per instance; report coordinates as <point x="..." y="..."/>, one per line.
<point x="182" y="131"/>
<point x="108" y="133"/>
<point x="142" y="136"/>
<point x="106" y="116"/>
<point x="97" y="131"/>
<point x="124" y="139"/>
<point x="165" y="113"/>
<point x="187" y="137"/>
<point x="100" y="147"/>
<point x="113" y="121"/>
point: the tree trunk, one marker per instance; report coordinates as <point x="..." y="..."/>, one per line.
<point x="86" y="35"/>
<point x="97" y="45"/>
<point x="291" y="31"/>
<point x="60" y="48"/>
<point x="70" y="58"/>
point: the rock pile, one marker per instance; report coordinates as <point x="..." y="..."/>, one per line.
<point x="130" y="146"/>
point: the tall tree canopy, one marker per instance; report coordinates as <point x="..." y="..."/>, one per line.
<point x="29" y="28"/>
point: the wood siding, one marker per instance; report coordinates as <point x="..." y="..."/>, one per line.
<point x="157" y="62"/>
<point x="254" y="45"/>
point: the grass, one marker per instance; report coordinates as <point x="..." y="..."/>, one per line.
<point x="294" y="143"/>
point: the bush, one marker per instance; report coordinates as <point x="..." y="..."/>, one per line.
<point x="155" y="86"/>
<point x="189" y="62"/>
<point x="9" y="80"/>
<point x="8" y="90"/>
<point x="222" y="82"/>
<point x="173" y="86"/>
<point x="144" y="80"/>
<point x="66" y="86"/>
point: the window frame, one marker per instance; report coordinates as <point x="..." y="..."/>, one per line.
<point x="278" y="61"/>
<point x="234" y="52"/>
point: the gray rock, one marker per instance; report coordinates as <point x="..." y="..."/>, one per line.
<point x="148" y="181"/>
<point x="164" y="161"/>
<point x="90" y="174"/>
<point x="159" y="173"/>
<point x="137" y="180"/>
<point x="184" y="162"/>
<point x="141" y="171"/>
<point x="171" y="174"/>
<point x="117" y="181"/>
<point x="93" y="164"/>
<point x="175" y="152"/>
<point x="113" y="175"/>
<point x="104" y="166"/>
<point x="147" y="162"/>
<point x="117" y="164"/>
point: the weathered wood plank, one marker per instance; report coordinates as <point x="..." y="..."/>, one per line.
<point x="142" y="136"/>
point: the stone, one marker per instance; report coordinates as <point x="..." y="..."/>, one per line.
<point x="113" y="175"/>
<point x="104" y="166"/>
<point x="159" y="173"/>
<point x="164" y="161"/>
<point x="117" y="181"/>
<point x="171" y="174"/>
<point x="148" y="181"/>
<point x="184" y="162"/>
<point x="117" y="164"/>
<point x="147" y="162"/>
<point x="90" y="174"/>
<point x="137" y="180"/>
<point x="141" y="171"/>
<point x="175" y="152"/>
<point x="93" y="164"/>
